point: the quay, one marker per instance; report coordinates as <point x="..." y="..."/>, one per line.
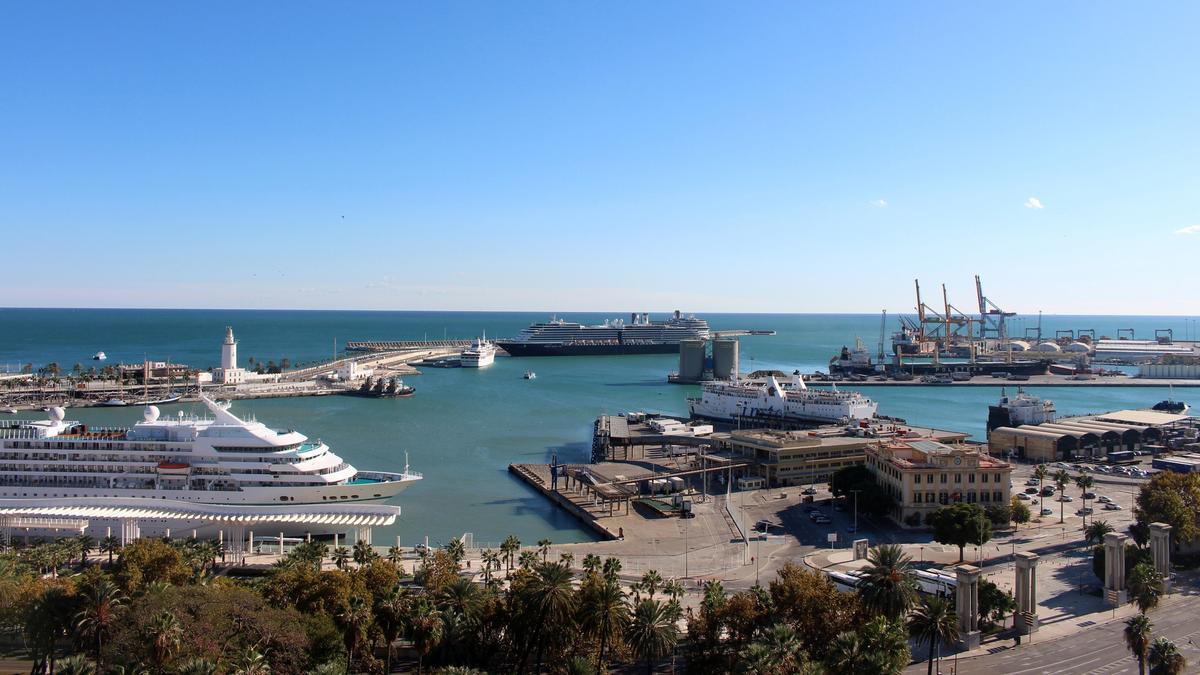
<point x="1033" y="381"/>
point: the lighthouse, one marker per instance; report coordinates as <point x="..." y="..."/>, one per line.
<point x="229" y="350"/>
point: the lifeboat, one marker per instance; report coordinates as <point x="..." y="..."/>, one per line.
<point x="173" y="467"/>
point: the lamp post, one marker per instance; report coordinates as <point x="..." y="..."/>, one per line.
<point x="856" y="510"/>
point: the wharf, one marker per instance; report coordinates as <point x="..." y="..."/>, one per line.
<point x="537" y="476"/>
<point x="1033" y="381"/>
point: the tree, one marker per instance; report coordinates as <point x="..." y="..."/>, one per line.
<point x="551" y="599"/>
<point x="612" y="567"/>
<point x="1061" y="479"/>
<point x="1171" y="498"/>
<point x="651" y="582"/>
<point x="490" y="560"/>
<point x="1137" y="639"/>
<point x="808" y="601"/>
<point x="1094" y="533"/>
<point x="389" y="613"/>
<point x="567" y="558"/>
<point x="341" y="557"/>
<point x="933" y="622"/>
<point x="961" y="524"/>
<point x="886" y="645"/>
<point x="848" y="654"/>
<point x="395" y="555"/>
<point x="110" y="545"/>
<point x="1165" y="658"/>
<point x="75" y="665"/>
<point x="508" y="549"/>
<point x="1084" y="483"/>
<point x="651" y="633"/>
<point x="592" y="563"/>
<point x="1041" y="473"/>
<point x="1145" y="586"/>
<point x="85" y="544"/>
<point x="166" y="633"/>
<point x="999" y="514"/>
<point x="354" y="618"/>
<point x="101" y="605"/>
<point x="994" y="604"/>
<point x="603" y="613"/>
<point x="889" y="586"/>
<point x="457" y="550"/>
<point x="1020" y="512"/>
<point x="544" y="548"/>
<point x="363" y="553"/>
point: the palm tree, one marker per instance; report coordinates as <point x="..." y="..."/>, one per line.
<point x="490" y="560"/>
<point x="197" y="666"/>
<point x="778" y="651"/>
<point x="651" y="633"/>
<point x="612" y="567"/>
<point x="363" y="553"/>
<point x="886" y="645"/>
<point x="424" y="628"/>
<point x="110" y="545"/>
<point x="651" y="582"/>
<point x="85" y="544"/>
<point x="354" y="618"/>
<point x="1094" y="533"/>
<point x="1084" y="483"/>
<point x="544" y="548"/>
<point x="527" y="560"/>
<point x="889" y="586"/>
<point x="603" y="614"/>
<point x="508" y="549"/>
<point x="167" y="632"/>
<point x="567" y="558"/>
<point x="389" y="616"/>
<point x="395" y="555"/>
<point x="1145" y="586"/>
<point x="934" y="622"/>
<point x="552" y="599"/>
<point x="1137" y="639"/>
<point x="847" y="654"/>
<point x="1061" y="479"/>
<point x="1041" y="473"/>
<point x="100" y="608"/>
<point x="75" y="665"/>
<point x="341" y="557"/>
<point x="674" y="589"/>
<point x="1165" y="658"/>
<point x="457" y="550"/>
<point x="591" y="563"/>
<point x="252" y="663"/>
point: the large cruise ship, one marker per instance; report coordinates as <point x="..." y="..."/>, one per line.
<point x="480" y="354"/>
<point x="640" y="336"/>
<point x="728" y="401"/>
<point x="220" y="460"/>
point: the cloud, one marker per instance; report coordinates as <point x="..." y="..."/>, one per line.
<point x="1190" y="229"/>
<point x="1034" y="203"/>
<point x="880" y="203"/>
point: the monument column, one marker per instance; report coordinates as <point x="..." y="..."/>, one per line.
<point x="1114" y="568"/>
<point x="1160" y="547"/>
<point x="967" y="606"/>
<point x="1025" y="619"/>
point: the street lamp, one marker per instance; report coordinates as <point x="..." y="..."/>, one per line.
<point x="856" y="510"/>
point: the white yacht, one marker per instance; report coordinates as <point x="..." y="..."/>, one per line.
<point x="480" y="354"/>
<point x="99" y="356"/>
<point x="728" y="401"/>
<point x="220" y="460"/>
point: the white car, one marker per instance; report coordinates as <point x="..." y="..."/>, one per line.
<point x="1103" y="499"/>
<point x="1109" y="506"/>
<point x="1024" y="497"/>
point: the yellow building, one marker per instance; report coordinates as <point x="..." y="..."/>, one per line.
<point x="923" y="475"/>
<point x="795" y="457"/>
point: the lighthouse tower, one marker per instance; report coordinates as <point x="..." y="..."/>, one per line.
<point x="229" y="350"/>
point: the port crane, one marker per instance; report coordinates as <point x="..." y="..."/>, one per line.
<point x="991" y="317"/>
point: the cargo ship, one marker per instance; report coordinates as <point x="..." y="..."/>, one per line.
<point x="640" y="336"/>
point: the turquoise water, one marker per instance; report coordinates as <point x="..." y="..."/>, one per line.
<point x="465" y="426"/>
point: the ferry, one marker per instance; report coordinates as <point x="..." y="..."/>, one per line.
<point x="1022" y="409"/>
<point x="480" y="354"/>
<point x="221" y="459"/>
<point x="640" y="336"/>
<point x="727" y="401"/>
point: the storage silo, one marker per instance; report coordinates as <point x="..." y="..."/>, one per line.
<point x="691" y="360"/>
<point x="725" y="359"/>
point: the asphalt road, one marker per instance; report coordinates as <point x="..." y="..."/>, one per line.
<point x="1099" y="649"/>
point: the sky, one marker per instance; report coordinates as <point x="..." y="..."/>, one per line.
<point x="571" y="156"/>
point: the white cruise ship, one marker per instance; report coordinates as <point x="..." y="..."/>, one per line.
<point x="480" y="354"/>
<point x="640" y="336"/>
<point x="218" y="460"/>
<point x="727" y="401"/>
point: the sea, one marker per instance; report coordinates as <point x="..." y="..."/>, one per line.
<point x="464" y="426"/>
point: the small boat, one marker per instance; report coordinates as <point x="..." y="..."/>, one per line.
<point x="99" y="356"/>
<point x="8" y="410"/>
<point x="114" y="402"/>
<point x="1171" y="406"/>
<point x="529" y="375"/>
<point x="170" y="398"/>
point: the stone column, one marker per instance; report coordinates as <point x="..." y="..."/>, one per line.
<point x="1025" y="619"/>
<point x="1114" y="569"/>
<point x="967" y="606"/>
<point x="1160" y="546"/>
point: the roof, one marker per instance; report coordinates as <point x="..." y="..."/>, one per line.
<point x="1142" y="417"/>
<point x="370" y="515"/>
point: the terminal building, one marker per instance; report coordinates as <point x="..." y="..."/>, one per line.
<point x="924" y="475"/>
<point x="1089" y="437"/>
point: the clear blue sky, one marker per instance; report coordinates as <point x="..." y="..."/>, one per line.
<point x="787" y="157"/>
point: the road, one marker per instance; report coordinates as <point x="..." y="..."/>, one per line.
<point x="1099" y="649"/>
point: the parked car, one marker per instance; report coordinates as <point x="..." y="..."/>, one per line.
<point x="1048" y="491"/>
<point x="809" y="491"/>
<point x="1085" y="511"/>
<point x="1112" y="507"/>
<point x="1066" y="498"/>
<point x="1031" y="490"/>
<point x="1104" y="499"/>
<point x="1047" y="511"/>
<point x="1024" y="497"/>
<point x="1089" y="495"/>
<point x="1032" y="481"/>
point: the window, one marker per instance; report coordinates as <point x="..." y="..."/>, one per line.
<point x="929" y="497"/>
<point x="997" y="478"/>
<point x="929" y="479"/>
<point x="998" y="496"/>
<point x="970" y="478"/>
<point x="917" y="498"/>
<point x="943" y="478"/>
<point x="943" y="498"/>
<point x="958" y="478"/>
<point x="917" y="479"/>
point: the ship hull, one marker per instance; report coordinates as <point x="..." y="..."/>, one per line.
<point x="613" y="349"/>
